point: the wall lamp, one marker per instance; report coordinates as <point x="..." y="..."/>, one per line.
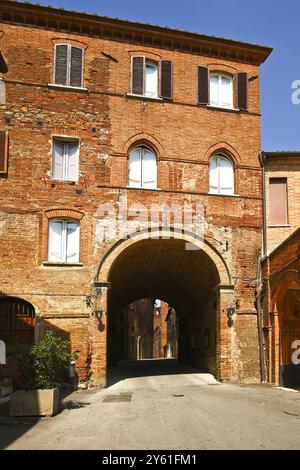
<point x="230" y="313"/>
<point x="99" y="314"/>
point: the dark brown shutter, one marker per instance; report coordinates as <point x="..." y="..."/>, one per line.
<point x="3" y="152"/>
<point x="61" y="64"/>
<point x="76" y="66"/>
<point x="138" y="71"/>
<point x="242" y="91"/>
<point x="166" y="79"/>
<point x="203" y="85"/>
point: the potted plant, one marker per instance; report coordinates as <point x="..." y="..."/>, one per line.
<point x="42" y="370"/>
<point x="6" y="387"/>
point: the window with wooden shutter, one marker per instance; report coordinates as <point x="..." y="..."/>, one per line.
<point x="203" y="85"/>
<point x="68" y="65"/>
<point x="221" y="175"/>
<point x="65" y="160"/>
<point x="4" y="144"/>
<point x="138" y="75"/>
<point x="242" y="91"/>
<point x="63" y="241"/>
<point x="278" y="201"/>
<point x="166" y="79"/>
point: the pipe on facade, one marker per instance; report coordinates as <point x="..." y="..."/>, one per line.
<point x="261" y="336"/>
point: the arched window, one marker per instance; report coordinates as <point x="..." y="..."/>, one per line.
<point x="63" y="241"/>
<point x="221" y="91"/>
<point x="17" y="319"/>
<point x="142" y="168"/>
<point x="221" y="175"/>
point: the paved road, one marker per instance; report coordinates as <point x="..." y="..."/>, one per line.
<point x="170" y="407"/>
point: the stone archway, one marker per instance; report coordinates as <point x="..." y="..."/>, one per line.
<point x="197" y="283"/>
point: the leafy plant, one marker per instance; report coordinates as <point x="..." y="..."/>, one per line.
<point x="44" y="365"/>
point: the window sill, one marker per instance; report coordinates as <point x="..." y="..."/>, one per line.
<point x="142" y="189"/>
<point x="67" y="87"/>
<point x="223" y="195"/>
<point x="54" y="181"/>
<point x="279" y="226"/>
<point x="143" y="97"/>
<point x="221" y="108"/>
<point x="57" y="264"/>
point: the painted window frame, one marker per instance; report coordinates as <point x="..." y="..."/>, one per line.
<point x="219" y="104"/>
<point x="64" y="241"/>
<point x="65" y="142"/>
<point x="219" y="157"/>
<point x="141" y="186"/>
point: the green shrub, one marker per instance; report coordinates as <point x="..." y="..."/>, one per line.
<point x="44" y="364"/>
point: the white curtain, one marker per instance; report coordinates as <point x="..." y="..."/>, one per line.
<point x="149" y="169"/>
<point x="58" y="161"/>
<point x="214" y="90"/>
<point x="135" y="170"/>
<point x="72" y="249"/>
<point x="72" y="162"/>
<point x="151" y="80"/>
<point x="55" y="244"/>
<point x="221" y="175"/>
<point x="226" y="176"/>
<point x="226" y="92"/>
<point x="214" y="176"/>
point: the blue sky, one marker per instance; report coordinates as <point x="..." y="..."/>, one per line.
<point x="275" y="23"/>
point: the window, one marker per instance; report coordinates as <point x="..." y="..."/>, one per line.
<point x="146" y="76"/>
<point x="216" y="89"/>
<point x="278" y="201"/>
<point x="221" y="175"/>
<point x="68" y="65"/>
<point x="221" y="91"/>
<point x="65" y="160"/>
<point x="142" y="168"/>
<point x="63" y="244"/>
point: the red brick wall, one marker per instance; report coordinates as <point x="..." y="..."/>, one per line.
<point x="108" y="123"/>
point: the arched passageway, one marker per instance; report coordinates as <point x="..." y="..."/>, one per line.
<point x="195" y="283"/>
<point x="285" y="333"/>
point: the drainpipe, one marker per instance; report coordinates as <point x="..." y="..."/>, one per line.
<point x="262" y="164"/>
<point x="261" y="336"/>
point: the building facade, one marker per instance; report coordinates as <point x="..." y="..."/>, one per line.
<point x="280" y="291"/>
<point x="105" y="120"/>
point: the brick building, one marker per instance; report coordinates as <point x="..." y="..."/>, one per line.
<point x="98" y="111"/>
<point x="280" y="291"/>
<point x="139" y="329"/>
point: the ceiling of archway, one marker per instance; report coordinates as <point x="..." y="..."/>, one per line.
<point x="162" y="269"/>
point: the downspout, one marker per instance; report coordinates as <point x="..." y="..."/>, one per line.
<point x="259" y="299"/>
<point x="262" y="164"/>
<point x="261" y="336"/>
